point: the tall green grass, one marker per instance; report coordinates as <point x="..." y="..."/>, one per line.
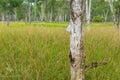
<point x="41" y="53"/>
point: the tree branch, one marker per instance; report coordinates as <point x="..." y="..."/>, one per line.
<point x="94" y="65"/>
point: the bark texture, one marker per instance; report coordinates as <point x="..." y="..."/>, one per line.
<point x="77" y="56"/>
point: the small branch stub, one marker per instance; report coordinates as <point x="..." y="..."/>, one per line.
<point x="94" y="65"/>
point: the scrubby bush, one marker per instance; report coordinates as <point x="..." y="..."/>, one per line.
<point x="98" y="19"/>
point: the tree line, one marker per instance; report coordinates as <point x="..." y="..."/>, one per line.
<point x="55" y="10"/>
<point x="34" y="10"/>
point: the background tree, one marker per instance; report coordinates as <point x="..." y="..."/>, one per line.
<point x="88" y="13"/>
<point x="100" y="8"/>
<point x="14" y="4"/>
<point x="115" y="9"/>
<point x="48" y="10"/>
<point x="3" y="9"/>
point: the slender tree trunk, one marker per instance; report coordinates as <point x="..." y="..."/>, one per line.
<point x="8" y="18"/>
<point x="43" y="11"/>
<point x="39" y="16"/>
<point x="116" y="22"/>
<point x="29" y="12"/>
<point x="105" y="15"/>
<point x="15" y="14"/>
<point x="65" y="18"/>
<point x="60" y="17"/>
<point x="26" y="19"/>
<point x="77" y="56"/>
<point x="115" y="14"/>
<point x="35" y="11"/>
<point x="88" y="13"/>
<point x="50" y="15"/>
<point x="3" y="16"/>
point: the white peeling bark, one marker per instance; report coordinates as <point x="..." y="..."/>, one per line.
<point x="75" y="28"/>
<point x="114" y="13"/>
<point x="88" y="13"/>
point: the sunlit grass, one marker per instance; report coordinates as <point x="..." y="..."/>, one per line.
<point x="54" y="24"/>
<point x="41" y="53"/>
<point x="36" y="24"/>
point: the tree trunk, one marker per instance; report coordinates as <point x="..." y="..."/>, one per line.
<point x="29" y="12"/>
<point x="60" y="17"/>
<point x="105" y="14"/>
<point x="3" y="16"/>
<point x="43" y="11"/>
<point x="115" y="14"/>
<point x="116" y="21"/>
<point x="25" y="19"/>
<point x="65" y="18"/>
<point x="35" y="11"/>
<point x="8" y="18"/>
<point x="50" y="15"/>
<point x="77" y="56"/>
<point x="88" y="13"/>
<point x="15" y="14"/>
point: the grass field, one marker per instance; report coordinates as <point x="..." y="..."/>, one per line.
<point x="41" y="52"/>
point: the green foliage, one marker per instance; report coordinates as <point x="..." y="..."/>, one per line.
<point x="117" y="7"/>
<point x="99" y="7"/>
<point x="3" y="4"/>
<point x="53" y="9"/>
<point x="98" y="19"/>
<point x="117" y="4"/>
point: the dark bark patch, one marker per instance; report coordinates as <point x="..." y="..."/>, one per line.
<point x="81" y="45"/>
<point x="72" y="60"/>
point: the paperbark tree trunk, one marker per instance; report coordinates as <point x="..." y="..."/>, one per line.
<point x="50" y="15"/>
<point x="3" y="16"/>
<point x="15" y="14"/>
<point x="29" y="12"/>
<point x="35" y="12"/>
<point x="105" y="14"/>
<point x="43" y="11"/>
<point x="8" y="18"/>
<point x="115" y="14"/>
<point x="88" y="13"/>
<point x="65" y="18"/>
<point x="77" y="56"/>
<point x="116" y="22"/>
